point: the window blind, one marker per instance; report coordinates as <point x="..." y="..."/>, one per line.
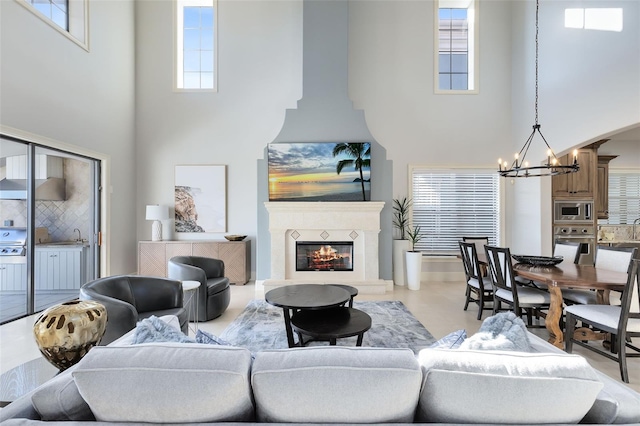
<point x="624" y="197"/>
<point x="449" y="205"/>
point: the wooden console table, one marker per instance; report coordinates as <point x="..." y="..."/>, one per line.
<point x="153" y="256"/>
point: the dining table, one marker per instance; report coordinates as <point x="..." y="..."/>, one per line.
<point x="569" y="275"/>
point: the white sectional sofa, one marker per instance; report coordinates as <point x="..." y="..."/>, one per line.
<point x="196" y="383"/>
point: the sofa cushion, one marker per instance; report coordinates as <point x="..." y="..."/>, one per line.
<point x="59" y="399"/>
<point x="527" y="387"/>
<point x="330" y="384"/>
<point x="166" y="383"/>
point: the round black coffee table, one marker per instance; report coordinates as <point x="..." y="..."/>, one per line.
<point x="297" y="297"/>
<point x="331" y="324"/>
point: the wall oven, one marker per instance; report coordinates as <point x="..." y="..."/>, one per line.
<point x="584" y="235"/>
<point x="573" y="211"/>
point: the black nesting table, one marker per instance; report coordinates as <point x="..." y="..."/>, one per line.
<point x="305" y="297"/>
<point x="330" y="324"/>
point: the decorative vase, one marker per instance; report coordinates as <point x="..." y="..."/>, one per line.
<point x="414" y="269"/>
<point x="65" y="332"/>
<point x="400" y="247"/>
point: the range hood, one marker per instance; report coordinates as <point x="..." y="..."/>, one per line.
<point x="50" y="189"/>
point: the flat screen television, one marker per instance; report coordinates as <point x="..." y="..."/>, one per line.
<point x="319" y="171"/>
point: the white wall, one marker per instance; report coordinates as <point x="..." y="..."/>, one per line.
<point x="259" y="78"/>
<point x="391" y="77"/>
<point x="58" y="92"/>
<point x="589" y="86"/>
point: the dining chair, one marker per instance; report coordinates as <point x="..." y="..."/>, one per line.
<point x="507" y="290"/>
<point x="479" y="289"/>
<point x="622" y="322"/>
<point x="615" y="259"/>
<point x="480" y="242"/>
<point x="571" y="253"/>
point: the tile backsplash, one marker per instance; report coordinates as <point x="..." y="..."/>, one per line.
<point x="59" y="217"/>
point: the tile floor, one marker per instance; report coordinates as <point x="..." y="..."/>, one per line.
<point x="438" y="305"/>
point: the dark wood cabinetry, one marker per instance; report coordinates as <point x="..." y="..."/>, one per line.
<point x="602" y="197"/>
<point x="580" y="184"/>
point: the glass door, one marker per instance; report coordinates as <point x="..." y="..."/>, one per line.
<point x="64" y="228"/>
<point x="58" y="207"/>
<point x="13" y="222"/>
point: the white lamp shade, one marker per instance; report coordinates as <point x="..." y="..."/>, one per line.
<point x="156" y="212"/>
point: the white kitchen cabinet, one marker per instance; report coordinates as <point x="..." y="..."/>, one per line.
<point x="60" y="268"/>
<point x="13" y="277"/>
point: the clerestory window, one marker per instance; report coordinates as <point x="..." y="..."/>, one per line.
<point x="196" y="45"/>
<point x="456" y="61"/>
<point x="69" y="17"/>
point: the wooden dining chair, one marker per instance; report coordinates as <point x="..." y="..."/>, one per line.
<point x="480" y="242"/>
<point x="571" y="253"/>
<point x="622" y="322"/>
<point x="479" y="289"/>
<point x="507" y="290"/>
<point x="615" y="259"/>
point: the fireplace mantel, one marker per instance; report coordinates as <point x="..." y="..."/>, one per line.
<point x="326" y="221"/>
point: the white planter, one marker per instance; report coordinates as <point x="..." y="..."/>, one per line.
<point x="400" y="247"/>
<point x="414" y="269"/>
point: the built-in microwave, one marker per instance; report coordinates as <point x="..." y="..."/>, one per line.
<point x="573" y="211"/>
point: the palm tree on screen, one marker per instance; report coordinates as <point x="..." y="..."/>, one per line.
<point x="359" y="154"/>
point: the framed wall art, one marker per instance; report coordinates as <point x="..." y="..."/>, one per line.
<point x="200" y="198"/>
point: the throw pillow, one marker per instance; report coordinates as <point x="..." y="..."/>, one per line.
<point x="503" y="331"/>
<point x="153" y="329"/>
<point x="452" y="340"/>
<point x="210" y="339"/>
<point x="166" y="383"/>
<point x="59" y="400"/>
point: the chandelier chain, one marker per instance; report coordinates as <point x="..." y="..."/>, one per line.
<point x="537" y="27"/>
<point x="520" y="166"/>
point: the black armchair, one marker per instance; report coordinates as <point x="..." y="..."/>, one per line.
<point x="214" y="293"/>
<point x="131" y="298"/>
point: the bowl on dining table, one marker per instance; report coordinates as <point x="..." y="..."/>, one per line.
<point x="537" y="260"/>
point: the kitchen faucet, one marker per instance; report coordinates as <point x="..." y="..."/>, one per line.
<point x="635" y="222"/>
<point x="79" y="236"/>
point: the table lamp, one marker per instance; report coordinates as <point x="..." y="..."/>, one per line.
<point x="157" y="213"/>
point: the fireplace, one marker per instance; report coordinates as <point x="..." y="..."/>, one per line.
<point x="322" y="256"/>
<point x="350" y="227"/>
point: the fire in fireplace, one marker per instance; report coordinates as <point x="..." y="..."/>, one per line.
<point x="323" y="256"/>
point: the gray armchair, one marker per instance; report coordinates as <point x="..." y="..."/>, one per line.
<point x="131" y="298"/>
<point x="214" y="293"/>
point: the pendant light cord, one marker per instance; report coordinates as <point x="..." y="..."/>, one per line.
<point x="536" y="100"/>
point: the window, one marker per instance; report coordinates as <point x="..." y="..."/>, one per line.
<point x="624" y="197"/>
<point x="196" y="44"/>
<point x="69" y="17"/>
<point x="451" y="204"/>
<point x="603" y="19"/>
<point x="55" y="10"/>
<point x="457" y="37"/>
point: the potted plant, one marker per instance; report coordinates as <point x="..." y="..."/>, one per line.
<point x="414" y="259"/>
<point x="400" y="244"/>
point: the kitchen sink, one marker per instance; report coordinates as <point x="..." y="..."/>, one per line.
<point x="65" y="243"/>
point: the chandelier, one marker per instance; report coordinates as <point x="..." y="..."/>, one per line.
<point x="520" y="166"/>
